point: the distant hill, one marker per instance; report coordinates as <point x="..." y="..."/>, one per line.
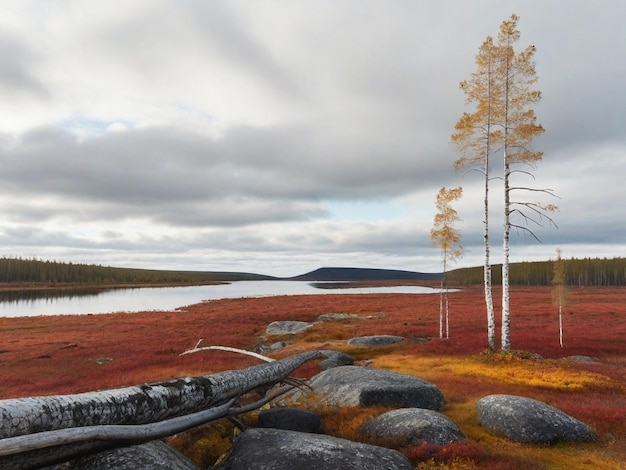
<point x="578" y="272"/>
<point x="364" y="274"/>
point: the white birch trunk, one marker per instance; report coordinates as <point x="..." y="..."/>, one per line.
<point x="491" y="317"/>
<point x="506" y="321"/>
<point x="441" y="295"/>
<point x="560" y="323"/>
<point x="441" y="310"/>
<point x="447" y="315"/>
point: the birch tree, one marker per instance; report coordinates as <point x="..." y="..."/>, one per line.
<point x="518" y="127"/>
<point x="447" y="237"/>
<point x="559" y="290"/>
<point x="503" y="121"/>
<point x="475" y="138"/>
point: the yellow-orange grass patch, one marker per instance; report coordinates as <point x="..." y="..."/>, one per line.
<point x="504" y="369"/>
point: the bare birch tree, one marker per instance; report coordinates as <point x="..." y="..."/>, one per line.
<point x="475" y="137"/>
<point x="518" y="126"/>
<point x="503" y="121"/>
<point x="447" y="237"/>
<point x="559" y="290"/>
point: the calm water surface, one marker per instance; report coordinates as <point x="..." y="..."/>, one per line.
<point x="168" y="298"/>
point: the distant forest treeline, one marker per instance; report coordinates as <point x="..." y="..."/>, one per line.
<point x="578" y="272"/>
<point x="33" y="270"/>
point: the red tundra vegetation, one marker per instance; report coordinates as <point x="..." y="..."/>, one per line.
<point x="70" y="354"/>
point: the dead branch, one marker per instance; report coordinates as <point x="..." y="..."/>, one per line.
<point x="226" y="348"/>
<point x="129" y="434"/>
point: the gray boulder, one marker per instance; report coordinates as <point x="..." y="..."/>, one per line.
<point x="335" y="359"/>
<point x="273" y="449"/>
<point x="277" y="345"/>
<point x="291" y="419"/>
<point x="287" y="327"/>
<point x="378" y="340"/>
<point x="154" y="455"/>
<point x="408" y="426"/>
<point x="530" y="421"/>
<point x="364" y="386"/>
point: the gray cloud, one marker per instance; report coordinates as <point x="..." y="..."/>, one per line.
<point x="222" y="134"/>
<point x="17" y="74"/>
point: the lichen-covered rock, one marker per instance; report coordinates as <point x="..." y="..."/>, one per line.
<point x="335" y="359"/>
<point x="365" y="386"/>
<point x="291" y="419"/>
<point x="377" y="340"/>
<point x="287" y="327"/>
<point x="408" y="426"/>
<point x="530" y="421"/>
<point x="154" y="455"/>
<point x="273" y="449"/>
<point x="337" y="316"/>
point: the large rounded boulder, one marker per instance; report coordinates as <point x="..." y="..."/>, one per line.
<point x="364" y="386"/>
<point x="155" y="455"/>
<point x="273" y="449"/>
<point x="530" y="421"/>
<point x="409" y="426"/>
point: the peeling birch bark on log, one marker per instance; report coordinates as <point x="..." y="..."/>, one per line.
<point x="147" y="403"/>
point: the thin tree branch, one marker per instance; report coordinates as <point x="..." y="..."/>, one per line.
<point x="113" y="432"/>
<point x="226" y="348"/>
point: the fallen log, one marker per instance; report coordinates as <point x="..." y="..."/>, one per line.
<point x="147" y="403"/>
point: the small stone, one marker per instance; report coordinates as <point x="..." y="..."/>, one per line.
<point x="378" y="340"/>
<point x="336" y="316"/>
<point x="583" y="359"/>
<point x="104" y="360"/>
<point x="335" y="359"/>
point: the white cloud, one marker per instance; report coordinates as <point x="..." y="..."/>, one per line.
<point x="279" y="136"/>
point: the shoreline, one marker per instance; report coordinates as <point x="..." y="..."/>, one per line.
<point x="43" y="286"/>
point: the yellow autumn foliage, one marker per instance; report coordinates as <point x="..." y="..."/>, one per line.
<point x="510" y="369"/>
<point x="547" y="374"/>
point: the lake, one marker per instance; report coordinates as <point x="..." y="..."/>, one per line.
<point x="93" y="301"/>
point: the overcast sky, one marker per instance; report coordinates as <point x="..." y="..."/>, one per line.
<point x="279" y="136"/>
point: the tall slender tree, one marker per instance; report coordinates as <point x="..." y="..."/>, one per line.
<point x="559" y="290"/>
<point x="518" y="126"/>
<point x="447" y="237"/>
<point x="475" y="137"/>
<point x="503" y="120"/>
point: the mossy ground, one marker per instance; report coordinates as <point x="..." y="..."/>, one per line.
<point x="50" y="355"/>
